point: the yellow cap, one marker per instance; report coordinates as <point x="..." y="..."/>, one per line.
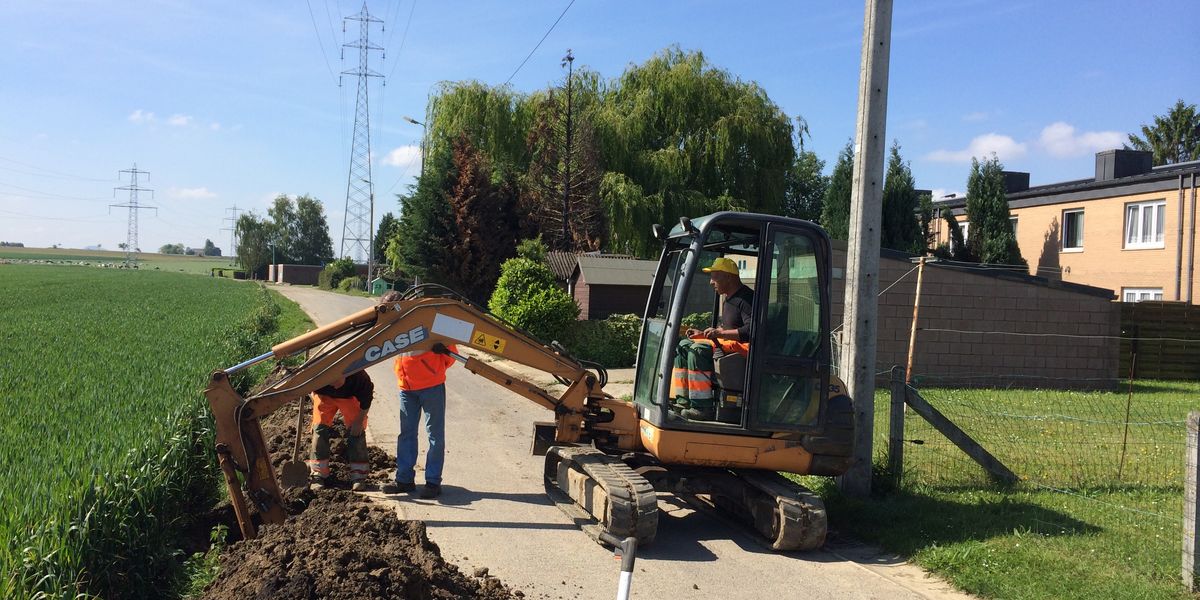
<point x="722" y="264"/>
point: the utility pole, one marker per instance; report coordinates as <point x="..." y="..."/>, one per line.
<point x="358" y="235"/>
<point x="232" y="229"/>
<point x="862" y="256"/>
<point x="131" y="236"/>
<point x="569" y="63"/>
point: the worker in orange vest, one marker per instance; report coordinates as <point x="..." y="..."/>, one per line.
<point x="422" y="380"/>
<point x="352" y="397"/>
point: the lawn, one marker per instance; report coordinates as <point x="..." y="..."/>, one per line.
<point x="105" y="444"/>
<point x="1098" y="513"/>
<point x="200" y="265"/>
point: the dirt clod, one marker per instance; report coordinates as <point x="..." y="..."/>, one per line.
<point x="481" y="572"/>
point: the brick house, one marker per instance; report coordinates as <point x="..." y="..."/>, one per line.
<point x="1130" y="228"/>
<point x="606" y="285"/>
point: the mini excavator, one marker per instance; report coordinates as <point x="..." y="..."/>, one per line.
<point x="778" y="407"/>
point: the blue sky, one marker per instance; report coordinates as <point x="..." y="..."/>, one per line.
<point x="230" y="103"/>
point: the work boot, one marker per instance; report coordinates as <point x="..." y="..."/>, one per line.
<point x="700" y="414"/>
<point x="431" y="491"/>
<point x="363" y="486"/>
<point x="396" y="487"/>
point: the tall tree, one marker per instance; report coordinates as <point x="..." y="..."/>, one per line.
<point x="992" y="238"/>
<point x="804" y="197"/>
<point x="419" y="245"/>
<point x="561" y="188"/>
<point x="311" y="244"/>
<point x="925" y="218"/>
<point x="387" y="228"/>
<point x="1174" y="137"/>
<point x="483" y="225"/>
<point x="253" y="235"/>
<point x="285" y="230"/>
<point x="900" y="229"/>
<point x="211" y="249"/>
<point x="835" y="214"/>
<point x="680" y="137"/>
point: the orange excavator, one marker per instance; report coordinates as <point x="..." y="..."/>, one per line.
<point x="778" y="407"/>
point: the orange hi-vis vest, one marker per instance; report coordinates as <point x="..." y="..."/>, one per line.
<point x="420" y="370"/>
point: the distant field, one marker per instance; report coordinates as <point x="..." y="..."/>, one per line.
<point x="148" y="260"/>
<point x="102" y="444"/>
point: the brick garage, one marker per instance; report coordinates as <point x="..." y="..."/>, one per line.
<point x="604" y="286"/>
<point x="972" y="299"/>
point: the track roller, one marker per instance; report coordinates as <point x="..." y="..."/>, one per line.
<point x="786" y="514"/>
<point x="601" y="493"/>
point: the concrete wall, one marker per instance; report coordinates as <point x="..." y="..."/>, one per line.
<point x="968" y="300"/>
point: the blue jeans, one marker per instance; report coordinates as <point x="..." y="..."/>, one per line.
<point x="431" y="401"/>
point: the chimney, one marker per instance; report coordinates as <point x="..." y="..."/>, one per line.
<point x="1015" y="181"/>
<point x="1114" y="164"/>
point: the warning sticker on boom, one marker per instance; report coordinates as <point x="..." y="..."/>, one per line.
<point x="488" y="342"/>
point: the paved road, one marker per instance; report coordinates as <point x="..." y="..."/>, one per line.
<point x="493" y="513"/>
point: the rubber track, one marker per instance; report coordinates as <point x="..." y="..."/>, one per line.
<point x="632" y="502"/>
<point x="802" y="520"/>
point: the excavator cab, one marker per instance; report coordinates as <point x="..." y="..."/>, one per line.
<point x="779" y="384"/>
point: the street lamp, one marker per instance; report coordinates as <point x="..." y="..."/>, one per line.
<point x="424" y="132"/>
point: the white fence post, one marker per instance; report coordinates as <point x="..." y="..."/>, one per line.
<point x="1191" y="502"/>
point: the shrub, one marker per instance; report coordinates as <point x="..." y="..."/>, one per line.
<point x="351" y="283"/>
<point x="527" y="296"/>
<point x="698" y="320"/>
<point x="611" y="342"/>
<point x="335" y="272"/>
<point x="533" y="249"/>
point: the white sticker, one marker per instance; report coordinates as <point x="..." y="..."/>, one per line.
<point x="452" y="328"/>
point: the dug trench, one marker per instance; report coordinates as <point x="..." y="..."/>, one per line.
<point x="337" y="544"/>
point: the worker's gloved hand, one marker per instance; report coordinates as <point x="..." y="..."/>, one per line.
<point x="356" y="427"/>
<point x="440" y="348"/>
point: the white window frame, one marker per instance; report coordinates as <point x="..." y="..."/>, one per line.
<point x="1063" y="235"/>
<point x="1139" y="233"/>
<point x="1013" y="220"/>
<point x="1141" y="294"/>
<point x="964" y="226"/>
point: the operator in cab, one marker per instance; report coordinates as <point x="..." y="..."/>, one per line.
<point x="737" y="311"/>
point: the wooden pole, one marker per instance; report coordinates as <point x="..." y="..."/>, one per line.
<point x="912" y="333"/>
<point x="862" y="253"/>
<point x="1191" y="503"/>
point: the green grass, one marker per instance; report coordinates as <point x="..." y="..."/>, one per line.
<point x="199" y="265"/>
<point x="1072" y="528"/>
<point x="106" y="440"/>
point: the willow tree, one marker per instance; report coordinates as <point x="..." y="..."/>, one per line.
<point x="493" y="119"/>
<point x="679" y="137"/>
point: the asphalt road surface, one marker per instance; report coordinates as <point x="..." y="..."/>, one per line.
<point x="493" y="513"/>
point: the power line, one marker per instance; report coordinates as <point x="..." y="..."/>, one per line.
<point x="539" y="44"/>
<point x="95" y="219"/>
<point x="403" y="38"/>
<point x="317" y="31"/>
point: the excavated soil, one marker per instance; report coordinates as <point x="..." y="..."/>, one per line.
<point x="340" y="545"/>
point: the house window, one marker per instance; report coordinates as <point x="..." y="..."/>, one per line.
<point x="964" y="226"/>
<point x="1072" y="231"/>
<point x="1141" y="294"/>
<point x="1144" y="224"/>
<point x="1013" y="220"/>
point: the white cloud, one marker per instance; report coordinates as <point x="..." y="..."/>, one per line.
<point x="199" y="193"/>
<point x="403" y="157"/>
<point x="141" y="116"/>
<point x="180" y="120"/>
<point x="1004" y="147"/>
<point x="975" y="116"/>
<point x="1061" y="141"/>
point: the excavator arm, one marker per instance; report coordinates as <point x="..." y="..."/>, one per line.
<point x="582" y="413"/>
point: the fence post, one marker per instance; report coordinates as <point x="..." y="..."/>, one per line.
<point x="1191" y="502"/>
<point x="896" y="426"/>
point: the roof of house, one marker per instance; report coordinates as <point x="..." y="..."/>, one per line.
<point x="562" y="264"/>
<point x="1160" y="178"/>
<point x="609" y="270"/>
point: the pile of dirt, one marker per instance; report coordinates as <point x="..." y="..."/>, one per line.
<point x="345" y="546"/>
<point x="337" y="544"/>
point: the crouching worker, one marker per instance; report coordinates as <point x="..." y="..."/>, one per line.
<point x="352" y="397"/>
